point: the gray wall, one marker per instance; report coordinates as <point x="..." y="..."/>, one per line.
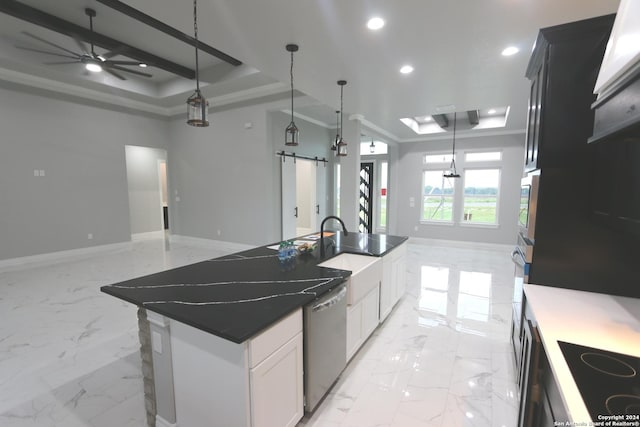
<point x="81" y="150"/>
<point x="409" y="174"/>
<point x="227" y="176"/>
<point x="143" y="179"/>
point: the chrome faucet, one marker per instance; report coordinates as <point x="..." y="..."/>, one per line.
<point x="344" y="229"/>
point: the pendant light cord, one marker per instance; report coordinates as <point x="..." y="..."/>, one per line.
<point x="195" y="32"/>
<point x="341" y="120"/>
<point x="291" y="74"/>
<point x="453" y="153"/>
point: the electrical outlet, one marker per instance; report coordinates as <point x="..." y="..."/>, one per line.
<point x="219" y="232"/>
<point x="415" y="228"/>
<point x="41" y="172"/>
<point x="156" y="342"/>
<point x="90" y="236"/>
<point x="36" y="172"/>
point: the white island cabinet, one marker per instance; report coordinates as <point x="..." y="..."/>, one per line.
<point x="258" y="383"/>
<point x="394" y="277"/>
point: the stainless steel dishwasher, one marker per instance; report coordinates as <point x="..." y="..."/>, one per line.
<point x="325" y="344"/>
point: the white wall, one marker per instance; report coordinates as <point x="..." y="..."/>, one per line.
<point x="81" y="150"/>
<point x="409" y="174"/>
<point x="227" y="176"/>
<point x="145" y="189"/>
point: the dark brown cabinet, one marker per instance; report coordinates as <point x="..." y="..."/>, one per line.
<point x="587" y="223"/>
<point x="537" y="74"/>
<point x="540" y="400"/>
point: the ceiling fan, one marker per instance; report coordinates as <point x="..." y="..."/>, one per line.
<point x="91" y="60"/>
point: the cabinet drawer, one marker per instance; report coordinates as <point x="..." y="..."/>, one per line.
<point x="274" y="337"/>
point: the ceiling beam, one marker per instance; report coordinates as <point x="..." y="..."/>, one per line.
<point x="441" y="120"/>
<point x="161" y="26"/>
<point x="51" y="22"/>
<point x="474" y="117"/>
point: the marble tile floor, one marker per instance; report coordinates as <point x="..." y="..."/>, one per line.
<point x="69" y="354"/>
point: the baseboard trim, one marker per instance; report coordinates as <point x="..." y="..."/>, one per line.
<point x="209" y="243"/>
<point x="161" y="422"/>
<point x="149" y="235"/>
<point x="54" y="257"/>
<point x="463" y="244"/>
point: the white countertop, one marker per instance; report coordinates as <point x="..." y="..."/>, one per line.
<point x="595" y="320"/>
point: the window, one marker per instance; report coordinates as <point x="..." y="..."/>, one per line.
<point x="480" y="203"/>
<point x="483" y="156"/>
<point x="437" y="158"/>
<point x="437" y="196"/>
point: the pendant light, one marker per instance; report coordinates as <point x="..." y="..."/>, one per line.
<point x="372" y="147"/>
<point x="453" y="173"/>
<point x="334" y="145"/>
<point x="197" y="105"/>
<point x="292" y="133"/>
<point x="341" y="146"/>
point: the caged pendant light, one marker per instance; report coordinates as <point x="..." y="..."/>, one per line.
<point x="341" y="146"/>
<point x="372" y="147"/>
<point x="334" y="145"/>
<point x="453" y="173"/>
<point x="197" y="105"/>
<point x="291" y="133"/>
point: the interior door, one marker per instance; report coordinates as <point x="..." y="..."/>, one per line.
<point x="289" y="209"/>
<point x="321" y="193"/>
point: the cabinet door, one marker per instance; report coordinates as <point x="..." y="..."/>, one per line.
<point x="354" y="328"/>
<point x="370" y="312"/>
<point x="277" y="387"/>
<point x="387" y="289"/>
<point x="534" y="123"/>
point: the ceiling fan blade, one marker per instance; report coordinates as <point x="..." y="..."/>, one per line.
<point x="117" y="51"/>
<point x="49" y="43"/>
<point x="123" y="62"/>
<point x="140" y="73"/>
<point x="47" y="53"/>
<point x="61" y="62"/>
<point x="113" y="73"/>
<point x="81" y="45"/>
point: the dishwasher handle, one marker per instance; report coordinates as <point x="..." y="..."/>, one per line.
<point x="331" y="301"/>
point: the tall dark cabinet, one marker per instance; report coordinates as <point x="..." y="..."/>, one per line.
<point x="572" y="249"/>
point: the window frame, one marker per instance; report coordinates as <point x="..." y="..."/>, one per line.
<point x="467" y="223"/>
<point x="458" y="187"/>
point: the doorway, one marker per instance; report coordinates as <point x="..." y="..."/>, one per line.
<point x="304" y="196"/>
<point x="147" y="188"/>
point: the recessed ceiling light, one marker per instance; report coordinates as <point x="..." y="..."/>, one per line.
<point x="375" y="23"/>
<point x="406" y="69"/>
<point x="511" y="50"/>
<point x="491" y="111"/>
<point x="142" y="65"/>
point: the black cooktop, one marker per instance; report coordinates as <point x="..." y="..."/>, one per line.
<point x="608" y="382"/>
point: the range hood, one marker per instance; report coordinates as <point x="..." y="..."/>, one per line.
<point x="617" y="108"/>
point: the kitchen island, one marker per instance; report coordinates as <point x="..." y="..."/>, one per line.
<point x="221" y="326"/>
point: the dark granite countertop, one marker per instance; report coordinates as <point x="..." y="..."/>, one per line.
<point x="238" y="295"/>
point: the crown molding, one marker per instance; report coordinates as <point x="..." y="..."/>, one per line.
<point x="81" y="92"/>
<point x="468" y="134"/>
<point x="309" y="119"/>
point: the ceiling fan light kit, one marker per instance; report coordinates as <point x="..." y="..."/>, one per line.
<point x="197" y="105"/>
<point x="88" y="57"/>
<point x="292" y="134"/>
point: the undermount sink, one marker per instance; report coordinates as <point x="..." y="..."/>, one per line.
<point x="366" y="273"/>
